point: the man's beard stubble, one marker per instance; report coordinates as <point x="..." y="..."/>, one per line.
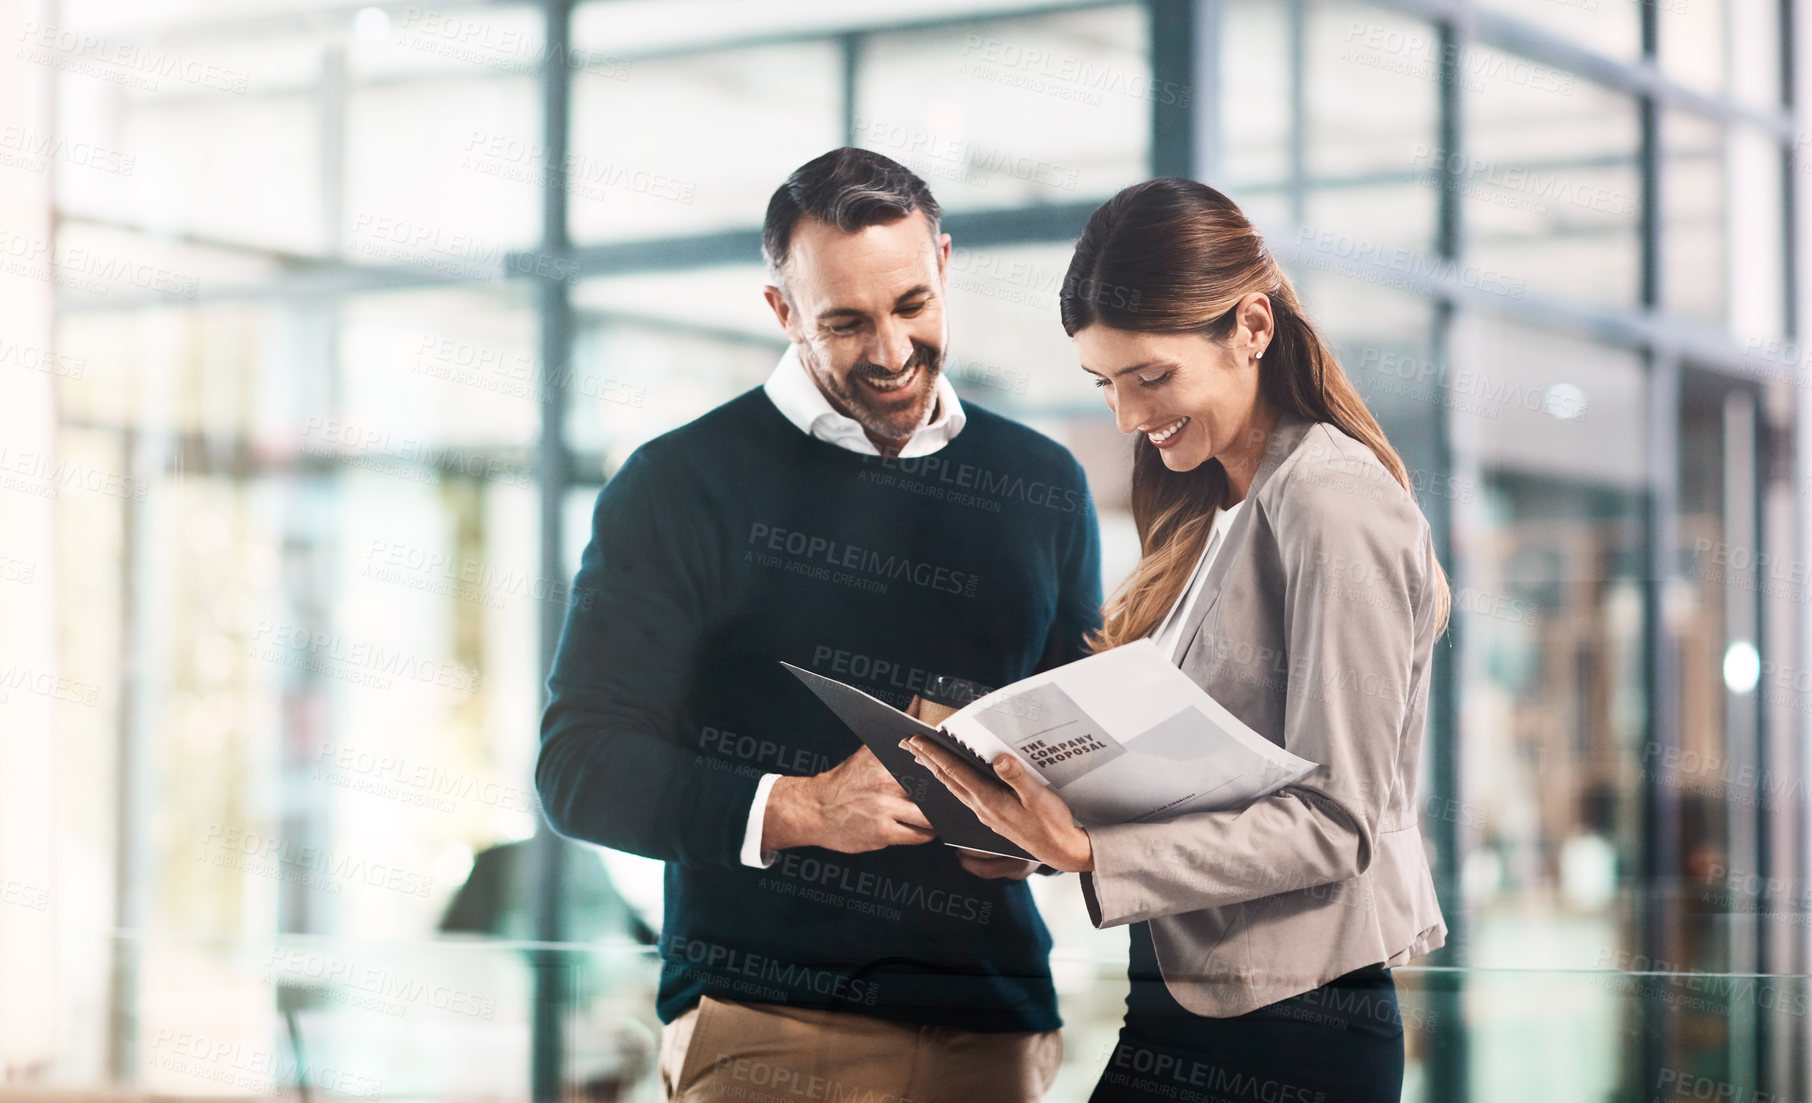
<point x="856" y="401"/>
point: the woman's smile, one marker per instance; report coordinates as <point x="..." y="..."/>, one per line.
<point x="1165" y="437"/>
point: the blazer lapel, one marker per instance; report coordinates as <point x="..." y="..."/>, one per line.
<point x="1284" y="439"/>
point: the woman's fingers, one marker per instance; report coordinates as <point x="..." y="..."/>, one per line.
<point x="958" y="777"/>
<point x="1039" y="799"/>
<point x="1030" y="815"/>
<point x="1024" y="785"/>
<point x="998" y="810"/>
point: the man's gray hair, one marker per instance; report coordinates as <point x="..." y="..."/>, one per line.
<point x="849" y="188"/>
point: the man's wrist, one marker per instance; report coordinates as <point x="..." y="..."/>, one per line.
<point x="787" y="821"/>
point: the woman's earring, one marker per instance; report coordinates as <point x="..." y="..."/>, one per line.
<point x="1260" y="356"/>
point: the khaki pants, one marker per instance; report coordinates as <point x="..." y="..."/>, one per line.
<point x="771" y="1053"/>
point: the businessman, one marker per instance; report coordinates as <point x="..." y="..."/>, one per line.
<point x="853" y="517"/>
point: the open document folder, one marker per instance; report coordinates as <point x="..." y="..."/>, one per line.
<point x="1122" y="736"/>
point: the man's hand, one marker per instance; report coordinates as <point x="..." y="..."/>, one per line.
<point x="853" y="807"/>
<point x="994" y="866"/>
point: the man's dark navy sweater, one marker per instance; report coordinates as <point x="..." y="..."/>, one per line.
<point x="736" y="541"/>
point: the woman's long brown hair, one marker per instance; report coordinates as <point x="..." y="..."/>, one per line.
<point x="1176" y="256"/>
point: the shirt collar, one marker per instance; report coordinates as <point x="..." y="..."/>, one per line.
<point x="796" y="395"/>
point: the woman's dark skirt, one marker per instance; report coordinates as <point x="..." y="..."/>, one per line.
<point x="1340" y="1043"/>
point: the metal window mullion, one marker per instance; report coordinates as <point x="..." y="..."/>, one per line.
<point x="1449" y="1059"/>
<point x="1170" y="37"/>
<point x="1660" y="860"/>
<point x="549" y="967"/>
<point x="1640" y="78"/>
<point x="849" y="56"/>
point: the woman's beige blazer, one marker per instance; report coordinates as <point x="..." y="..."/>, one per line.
<point x="1315" y="626"/>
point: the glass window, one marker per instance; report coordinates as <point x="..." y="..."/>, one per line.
<point x="1549" y="600"/>
<point x="1257" y="136"/>
<point x="1369" y="86"/>
<point x="1046" y="110"/>
<point x="1758" y="238"/>
<point x="634" y="381"/>
<point x="654" y="351"/>
<point x="1694" y="247"/>
<point x="1548" y="182"/>
<point x="655" y="26"/>
<point x="1692" y="40"/>
<point x="338" y="706"/>
<point x="1549" y="403"/>
<point x="454" y="368"/>
<point x="1384" y="341"/>
<point x="210" y="134"/>
<point x="1549" y="605"/>
<point x="1756" y="42"/>
<point x="1610" y="27"/>
<point x="1726" y="788"/>
<point x="426" y="44"/>
<point x="751" y="117"/>
<point x="442" y="174"/>
<point x="1004" y="326"/>
<point x="1722" y="48"/>
<point x="237" y="170"/>
<point x="1370" y="79"/>
<point x="127" y="371"/>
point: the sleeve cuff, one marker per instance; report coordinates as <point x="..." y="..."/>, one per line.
<point x="1113" y="891"/>
<point x="752" y="854"/>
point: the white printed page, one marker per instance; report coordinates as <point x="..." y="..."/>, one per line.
<point x="1124" y="736"/>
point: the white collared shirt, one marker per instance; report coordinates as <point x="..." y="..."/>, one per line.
<point x="796" y="395"/>
<point x="1171" y="628"/>
<point x="791" y="388"/>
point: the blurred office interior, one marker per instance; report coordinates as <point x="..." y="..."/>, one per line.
<point x="322" y="324"/>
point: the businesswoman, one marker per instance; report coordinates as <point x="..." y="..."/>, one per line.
<point x="1286" y="568"/>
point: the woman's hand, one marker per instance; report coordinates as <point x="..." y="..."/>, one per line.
<point x="1028" y="814"/>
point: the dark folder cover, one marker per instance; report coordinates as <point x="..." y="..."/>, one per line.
<point x="880" y="727"/>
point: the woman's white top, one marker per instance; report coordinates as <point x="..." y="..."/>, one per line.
<point x="1171" y="627"/>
